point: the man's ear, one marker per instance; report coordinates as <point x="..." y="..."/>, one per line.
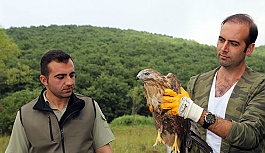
<point x="43" y="80"/>
<point x="250" y="49"/>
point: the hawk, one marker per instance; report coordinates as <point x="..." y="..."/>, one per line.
<point x="173" y="130"/>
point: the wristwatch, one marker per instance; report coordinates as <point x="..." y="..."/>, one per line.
<point x="209" y="119"/>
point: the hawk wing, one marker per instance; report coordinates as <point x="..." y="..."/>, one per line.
<point x="174" y="82"/>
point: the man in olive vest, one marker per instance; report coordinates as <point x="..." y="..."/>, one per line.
<point x="60" y="121"/>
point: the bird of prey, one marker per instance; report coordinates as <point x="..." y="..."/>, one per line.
<point x="173" y="130"/>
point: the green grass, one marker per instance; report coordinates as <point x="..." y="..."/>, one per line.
<point x="134" y="134"/>
<point x="3" y="143"/>
<point x="135" y="139"/>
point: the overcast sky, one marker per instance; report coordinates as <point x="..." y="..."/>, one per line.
<point x="197" y="20"/>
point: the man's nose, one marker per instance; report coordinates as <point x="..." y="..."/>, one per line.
<point x="69" y="80"/>
<point x="225" y="46"/>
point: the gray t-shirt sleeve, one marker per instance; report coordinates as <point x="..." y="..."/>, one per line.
<point x="18" y="142"/>
<point x="102" y="132"/>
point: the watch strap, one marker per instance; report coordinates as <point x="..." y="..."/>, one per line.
<point x="209" y="119"/>
<point x="206" y="125"/>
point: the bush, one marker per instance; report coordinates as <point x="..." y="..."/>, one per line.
<point x="130" y="120"/>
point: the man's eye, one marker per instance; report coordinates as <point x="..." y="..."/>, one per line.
<point x="234" y="44"/>
<point x="221" y="40"/>
<point x="72" y="76"/>
<point x="60" y="77"/>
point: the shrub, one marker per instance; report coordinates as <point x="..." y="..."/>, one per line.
<point x="130" y="120"/>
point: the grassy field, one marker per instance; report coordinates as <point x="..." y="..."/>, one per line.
<point x="129" y="139"/>
<point x="135" y="139"/>
<point x="3" y="143"/>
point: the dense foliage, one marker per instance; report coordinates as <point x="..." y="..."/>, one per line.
<point x="106" y="63"/>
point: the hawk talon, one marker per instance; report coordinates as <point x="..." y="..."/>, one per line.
<point x="158" y="140"/>
<point x="175" y="147"/>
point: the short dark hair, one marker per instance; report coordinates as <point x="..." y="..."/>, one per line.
<point x="245" y="19"/>
<point x="52" y="55"/>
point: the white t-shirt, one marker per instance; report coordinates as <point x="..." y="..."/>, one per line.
<point x="217" y="106"/>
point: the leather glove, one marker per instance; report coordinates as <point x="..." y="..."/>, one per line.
<point x="181" y="105"/>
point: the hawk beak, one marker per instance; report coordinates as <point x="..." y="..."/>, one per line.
<point x="137" y="78"/>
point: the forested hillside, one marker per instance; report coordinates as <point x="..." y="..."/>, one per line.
<point x="106" y="63"/>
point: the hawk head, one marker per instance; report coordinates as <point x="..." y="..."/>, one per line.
<point x="148" y="74"/>
<point x="151" y="77"/>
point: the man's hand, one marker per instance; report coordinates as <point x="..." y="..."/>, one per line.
<point x="181" y="105"/>
<point x="171" y="100"/>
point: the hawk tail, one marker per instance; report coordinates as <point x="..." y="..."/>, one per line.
<point x="201" y="143"/>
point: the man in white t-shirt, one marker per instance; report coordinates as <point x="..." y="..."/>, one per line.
<point x="229" y="101"/>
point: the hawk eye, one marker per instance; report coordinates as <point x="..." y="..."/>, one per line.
<point x="147" y="73"/>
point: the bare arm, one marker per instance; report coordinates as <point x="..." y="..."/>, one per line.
<point x="104" y="149"/>
<point x="221" y="127"/>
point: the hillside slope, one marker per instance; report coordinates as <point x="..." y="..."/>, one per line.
<point x="107" y="59"/>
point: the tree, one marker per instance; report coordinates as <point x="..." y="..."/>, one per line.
<point x="11" y="104"/>
<point x="110" y="92"/>
<point x="15" y="76"/>
<point x="9" y="52"/>
<point x="136" y="94"/>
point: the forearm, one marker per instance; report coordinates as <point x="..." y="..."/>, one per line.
<point x="221" y="127"/>
<point x="188" y="109"/>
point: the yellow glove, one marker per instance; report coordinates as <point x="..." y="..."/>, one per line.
<point x="181" y="105"/>
<point x="171" y="100"/>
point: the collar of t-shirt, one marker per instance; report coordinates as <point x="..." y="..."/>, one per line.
<point x="58" y="113"/>
<point x="217" y="105"/>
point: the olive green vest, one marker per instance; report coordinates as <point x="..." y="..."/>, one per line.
<point x="72" y="134"/>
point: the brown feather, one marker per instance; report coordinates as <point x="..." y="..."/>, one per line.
<point x="169" y="125"/>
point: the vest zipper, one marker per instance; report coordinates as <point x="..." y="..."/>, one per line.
<point x="51" y="134"/>
<point x="50" y="127"/>
<point x="61" y="127"/>
<point x="62" y="135"/>
<point x="62" y="123"/>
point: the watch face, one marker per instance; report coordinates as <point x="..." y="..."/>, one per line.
<point x="210" y="118"/>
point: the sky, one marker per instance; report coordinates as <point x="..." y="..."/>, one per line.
<point x="197" y="20"/>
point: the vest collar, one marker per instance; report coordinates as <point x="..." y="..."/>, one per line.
<point x="74" y="103"/>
